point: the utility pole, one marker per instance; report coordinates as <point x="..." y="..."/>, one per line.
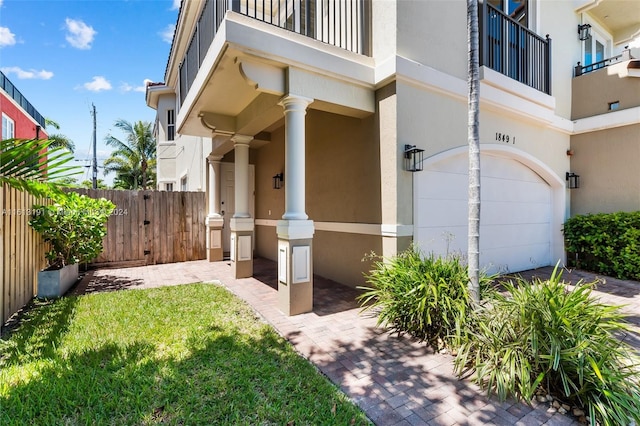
<point x="95" y="158"/>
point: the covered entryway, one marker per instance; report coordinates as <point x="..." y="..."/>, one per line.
<point x="517" y="211"/>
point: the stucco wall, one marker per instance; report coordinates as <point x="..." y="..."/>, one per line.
<point x="434" y="33"/>
<point x="437" y="123"/>
<point x="24" y="124"/>
<point x="607" y="162"/>
<point x="592" y="92"/>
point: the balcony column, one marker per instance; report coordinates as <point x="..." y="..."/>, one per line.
<point x="214" y="220"/>
<point x="242" y="223"/>
<point x="295" y="231"/>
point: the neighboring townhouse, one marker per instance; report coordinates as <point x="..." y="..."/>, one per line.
<point x="339" y="128"/>
<point x="20" y="119"/>
<point x="179" y="158"/>
<point x="605" y="144"/>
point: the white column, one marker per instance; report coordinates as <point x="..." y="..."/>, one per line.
<point x="295" y="109"/>
<point x="214" y="185"/>
<point x="295" y="231"/>
<point x="241" y="147"/>
<point x="241" y="223"/>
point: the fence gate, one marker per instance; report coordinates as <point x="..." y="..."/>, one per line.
<point x="151" y="227"/>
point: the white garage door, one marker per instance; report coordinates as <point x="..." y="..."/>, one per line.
<point x="515" y="215"/>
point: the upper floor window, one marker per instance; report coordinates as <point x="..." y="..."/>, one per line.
<point x="183" y="184"/>
<point x="171" y="125"/>
<point x="8" y="127"/>
<point x="515" y="9"/>
<point x="168" y="187"/>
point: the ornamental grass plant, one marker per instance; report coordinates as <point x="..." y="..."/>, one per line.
<point x="542" y="335"/>
<point x="424" y="296"/>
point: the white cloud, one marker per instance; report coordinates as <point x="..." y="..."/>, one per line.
<point x="30" y="74"/>
<point x="7" y="38"/>
<point x="98" y="84"/>
<point x="126" y="87"/>
<point x="79" y="34"/>
<point x="175" y="6"/>
<point x="0" y="3"/>
<point x="167" y="33"/>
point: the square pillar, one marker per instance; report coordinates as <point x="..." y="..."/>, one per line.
<point x="295" y="266"/>
<point x="242" y="247"/>
<point x="214" y="239"/>
<point x="214" y="220"/>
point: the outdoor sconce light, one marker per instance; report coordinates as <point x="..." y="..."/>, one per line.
<point x="277" y="181"/>
<point x="413" y="158"/>
<point x="584" y="32"/>
<point x="573" y="179"/>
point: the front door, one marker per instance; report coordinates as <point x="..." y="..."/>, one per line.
<point x="227" y="200"/>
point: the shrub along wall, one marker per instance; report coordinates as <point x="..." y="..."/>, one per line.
<point x="607" y="243"/>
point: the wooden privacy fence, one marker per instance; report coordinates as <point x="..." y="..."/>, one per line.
<point x="150" y="227"/>
<point x="21" y="251"/>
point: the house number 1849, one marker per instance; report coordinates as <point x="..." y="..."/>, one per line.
<point x="503" y="137"/>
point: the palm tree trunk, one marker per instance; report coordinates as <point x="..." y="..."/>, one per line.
<point x="473" y="253"/>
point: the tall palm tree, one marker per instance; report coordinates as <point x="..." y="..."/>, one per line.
<point x="133" y="160"/>
<point x="58" y="139"/>
<point x="473" y="253"/>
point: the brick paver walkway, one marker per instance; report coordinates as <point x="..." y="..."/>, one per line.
<point x="395" y="380"/>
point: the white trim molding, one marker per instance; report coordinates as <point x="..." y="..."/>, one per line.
<point x="385" y="230"/>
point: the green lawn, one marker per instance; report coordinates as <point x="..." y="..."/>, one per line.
<point x="187" y="355"/>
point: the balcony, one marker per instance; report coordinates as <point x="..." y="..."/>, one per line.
<point x="512" y="49"/>
<point x="341" y="23"/>
<point x="584" y="69"/>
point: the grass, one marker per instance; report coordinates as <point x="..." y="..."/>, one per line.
<point x="187" y="355"/>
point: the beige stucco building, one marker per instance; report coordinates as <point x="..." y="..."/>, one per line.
<point x="303" y="111"/>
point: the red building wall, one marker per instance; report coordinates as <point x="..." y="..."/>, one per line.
<point x="25" y="125"/>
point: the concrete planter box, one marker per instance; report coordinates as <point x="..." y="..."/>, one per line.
<point x="55" y="283"/>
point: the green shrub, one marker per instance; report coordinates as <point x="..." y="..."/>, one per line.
<point x="74" y="226"/>
<point x="605" y="243"/>
<point x="542" y="335"/>
<point x="426" y="297"/>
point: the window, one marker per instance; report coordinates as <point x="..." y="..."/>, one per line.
<point x="614" y="105"/>
<point x="8" y="128"/>
<point x="183" y="184"/>
<point x="168" y="187"/>
<point x="515" y="9"/>
<point x="171" y="125"/>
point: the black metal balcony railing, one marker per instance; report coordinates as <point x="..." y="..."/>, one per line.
<point x="511" y="49"/>
<point x="584" y="69"/>
<point x="15" y="94"/>
<point x="342" y="23"/>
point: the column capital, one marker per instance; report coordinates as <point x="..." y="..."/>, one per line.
<point x="214" y="158"/>
<point x="292" y="101"/>
<point x="241" y="139"/>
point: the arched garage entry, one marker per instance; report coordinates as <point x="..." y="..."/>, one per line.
<point x="522" y="208"/>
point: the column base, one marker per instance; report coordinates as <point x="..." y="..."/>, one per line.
<point x="214" y="238"/>
<point x="242" y="247"/>
<point x="295" y="267"/>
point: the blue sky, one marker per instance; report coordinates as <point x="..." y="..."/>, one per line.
<point x="64" y="55"/>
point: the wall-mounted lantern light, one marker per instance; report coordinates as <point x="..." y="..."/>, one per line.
<point x="573" y="180"/>
<point x="413" y="158"/>
<point x="584" y="32"/>
<point x="277" y="181"/>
